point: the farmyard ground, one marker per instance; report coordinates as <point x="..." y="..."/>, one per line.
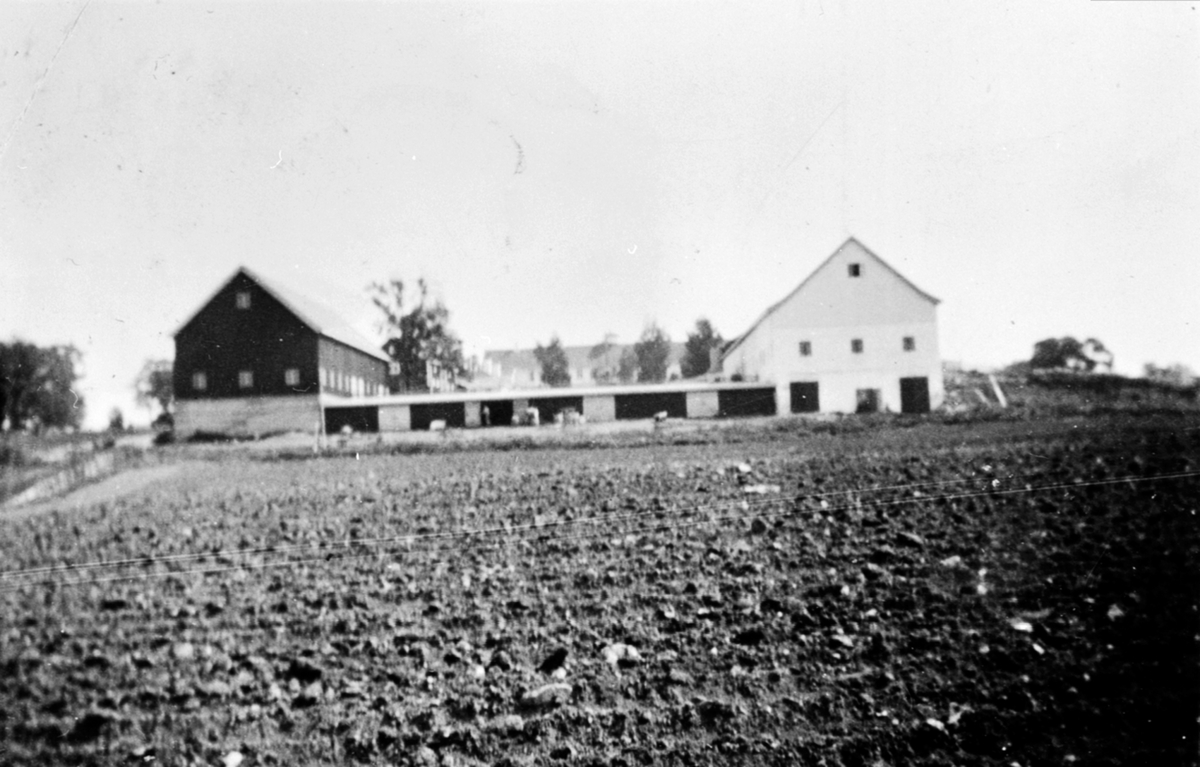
<point x="942" y="594"/>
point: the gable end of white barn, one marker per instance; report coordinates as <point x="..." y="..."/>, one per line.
<point x="854" y="336"/>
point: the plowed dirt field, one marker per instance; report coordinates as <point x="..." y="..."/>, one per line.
<point x="992" y="594"/>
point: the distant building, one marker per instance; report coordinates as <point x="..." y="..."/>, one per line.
<point x="854" y="336"/>
<point x="588" y="365"/>
<point x="255" y="358"/>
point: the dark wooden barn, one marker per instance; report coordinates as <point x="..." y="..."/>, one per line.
<point x="255" y="357"/>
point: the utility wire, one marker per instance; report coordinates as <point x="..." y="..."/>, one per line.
<point x="504" y="535"/>
<point x="319" y="545"/>
<point x="276" y="549"/>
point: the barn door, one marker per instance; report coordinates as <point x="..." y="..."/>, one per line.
<point x="867" y="400"/>
<point x="805" y="397"/>
<point x="914" y="395"/>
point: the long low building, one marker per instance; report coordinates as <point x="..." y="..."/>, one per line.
<point x="598" y="404"/>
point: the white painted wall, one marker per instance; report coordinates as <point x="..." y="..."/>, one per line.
<point x="829" y="310"/>
<point x="247" y="416"/>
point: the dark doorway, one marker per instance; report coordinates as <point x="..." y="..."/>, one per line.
<point x="631" y="406"/>
<point x="914" y="395"/>
<point x="805" y="397"/>
<point x="453" y="413"/>
<point x="734" y="402"/>
<point x="500" y="412"/>
<point x="357" y="418"/>
<point x="548" y="407"/>
<point x="867" y="401"/>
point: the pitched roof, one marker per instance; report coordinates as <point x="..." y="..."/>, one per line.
<point x="773" y="307"/>
<point x="317" y="316"/>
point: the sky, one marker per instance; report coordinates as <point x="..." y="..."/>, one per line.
<point x="583" y="168"/>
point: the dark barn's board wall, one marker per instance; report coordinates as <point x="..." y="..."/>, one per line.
<point x="735" y="402"/>
<point x="266" y="339"/>
<point x="647" y="405"/>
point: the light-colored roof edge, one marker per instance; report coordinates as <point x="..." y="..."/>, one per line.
<point x="281" y="295"/>
<point x="771" y="309"/>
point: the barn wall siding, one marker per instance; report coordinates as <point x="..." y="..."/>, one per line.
<point x="395" y="418"/>
<point x="600" y="409"/>
<point x="472" y="416"/>
<point x="335" y="356"/>
<point x="702" y="404"/>
<point x="247" y="416"/>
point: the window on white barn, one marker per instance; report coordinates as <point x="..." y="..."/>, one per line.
<point x="910" y="344"/>
<point x="806" y="348"/>
<point x="856" y="345"/>
<point x="291" y="376"/>
<point x="855" y="270"/>
<point x="245" y="379"/>
<point x="324" y="376"/>
<point x="243" y="299"/>
<point x="199" y="380"/>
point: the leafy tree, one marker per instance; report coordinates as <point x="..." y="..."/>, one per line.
<point x="36" y="385"/>
<point x="1059" y="353"/>
<point x="555" y="368"/>
<point x="1172" y="375"/>
<point x="156" y="384"/>
<point x="606" y="359"/>
<point x="418" y="336"/>
<point x="698" y="349"/>
<point x="652" y="350"/>
<point x="116" y="421"/>
<point x="627" y="367"/>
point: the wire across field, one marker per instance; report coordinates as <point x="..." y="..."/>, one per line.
<point x="974" y="595"/>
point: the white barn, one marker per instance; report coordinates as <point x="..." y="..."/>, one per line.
<point x="855" y="336"/>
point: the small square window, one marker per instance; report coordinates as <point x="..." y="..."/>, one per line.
<point x="856" y="345"/>
<point x="291" y="376"/>
<point x="245" y="379"/>
<point x="910" y="343"/>
<point x="855" y="270"/>
<point x="805" y="348"/>
<point x="243" y="299"/>
<point x="199" y="380"/>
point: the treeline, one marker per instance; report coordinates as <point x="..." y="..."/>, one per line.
<point x="646" y="361"/>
